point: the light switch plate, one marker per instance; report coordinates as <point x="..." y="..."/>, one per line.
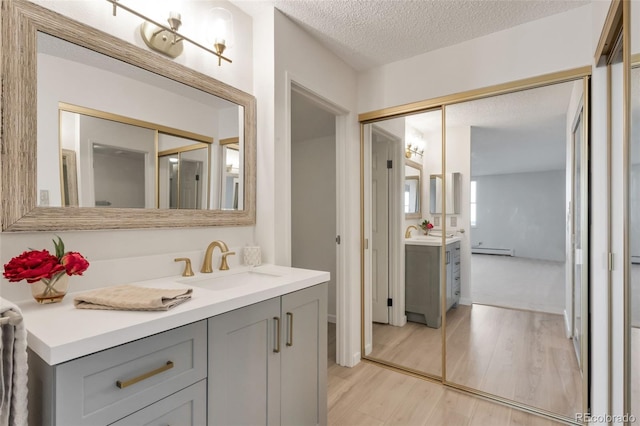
<point x="44" y="197"/>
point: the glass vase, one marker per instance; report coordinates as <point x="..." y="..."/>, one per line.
<point x="425" y="231"/>
<point x="50" y="290"/>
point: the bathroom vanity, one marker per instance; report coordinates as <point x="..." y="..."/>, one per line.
<point x="249" y="348"/>
<point x="423" y="257"/>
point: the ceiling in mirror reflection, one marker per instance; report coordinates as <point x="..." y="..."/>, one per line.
<point x="54" y="46"/>
<point x="517" y="131"/>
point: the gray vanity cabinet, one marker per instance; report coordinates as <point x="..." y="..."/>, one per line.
<point x="268" y="361"/>
<point x="143" y="378"/>
<point x="422" y="282"/>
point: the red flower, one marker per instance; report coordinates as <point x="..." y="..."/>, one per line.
<point x="32" y="266"/>
<point x="429" y="225"/>
<point x="74" y="263"/>
<point x="36" y="265"/>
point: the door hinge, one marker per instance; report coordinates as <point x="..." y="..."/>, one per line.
<point x="366" y="244"/>
<point x="389" y="164"/>
<point x="338" y="239"/>
<point x="389" y="302"/>
<point x="610" y="261"/>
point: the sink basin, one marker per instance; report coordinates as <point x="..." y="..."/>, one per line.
<point x="225" y="281"/>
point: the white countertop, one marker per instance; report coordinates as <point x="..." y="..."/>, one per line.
<point x="59" y="332"/>
<point x="430" y="240"/>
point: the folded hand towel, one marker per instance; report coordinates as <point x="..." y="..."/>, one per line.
<point x="132" y="298"/>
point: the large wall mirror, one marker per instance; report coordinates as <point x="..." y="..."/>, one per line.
<point x="494" y="301"/>
<point x="116" y="137"/>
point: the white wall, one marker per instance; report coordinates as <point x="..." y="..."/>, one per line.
<point x="522" y="211"/>
<point x="129" y="255"/>
<point x="300" y="59"/>
<point x="559" y="42"/>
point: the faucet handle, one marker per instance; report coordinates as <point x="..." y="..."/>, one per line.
<point x="224" y="266"/>
<point x="188" y="272"/>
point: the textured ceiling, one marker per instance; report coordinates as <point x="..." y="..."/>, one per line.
<point x="369" y="33"/>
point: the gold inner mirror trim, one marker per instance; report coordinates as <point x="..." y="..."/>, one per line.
<point x="583" y="73"/>
<point x="62" y="106"/>
<point x="186" y="148"/>
<point x="21" y="22"/>
<point x="230" y="141"/>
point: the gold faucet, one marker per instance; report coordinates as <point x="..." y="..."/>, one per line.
<point x="407" y="233"/>
<point x="206" y="264"/>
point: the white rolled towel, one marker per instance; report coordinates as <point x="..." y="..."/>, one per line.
<point x="13" y="366"/>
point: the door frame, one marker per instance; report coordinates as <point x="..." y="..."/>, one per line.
<point x="344" y="349"/>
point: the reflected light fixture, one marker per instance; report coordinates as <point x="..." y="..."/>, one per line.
<point x="411" y="150"/>
<point x="167" y="40"/>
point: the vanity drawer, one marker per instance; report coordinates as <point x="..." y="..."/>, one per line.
<point x="187" y="407"/>
<point x="101" y="388"/>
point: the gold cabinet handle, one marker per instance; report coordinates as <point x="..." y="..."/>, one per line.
<point x="276" y="349"/>
<point x="126" y="383"/>
<point x="290" y="321"/>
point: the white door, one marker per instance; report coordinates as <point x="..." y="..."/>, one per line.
<point x="380" y="155"/>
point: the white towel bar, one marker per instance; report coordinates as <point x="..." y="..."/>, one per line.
<point x="10" y="317"/>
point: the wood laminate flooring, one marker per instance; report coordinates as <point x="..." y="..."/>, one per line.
<point x="519" y="355"/>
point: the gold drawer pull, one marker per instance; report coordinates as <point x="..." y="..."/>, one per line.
<point x="127" y="383"/>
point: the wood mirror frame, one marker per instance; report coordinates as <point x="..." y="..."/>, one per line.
<point x="21" y="20"/>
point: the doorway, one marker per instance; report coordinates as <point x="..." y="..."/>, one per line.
<point x="314" y="230"/>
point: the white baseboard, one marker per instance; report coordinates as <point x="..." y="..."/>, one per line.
<point x="331" y="318"/>
<point x="356" y="359"/>
<point x="567" y="325"/>
<point x="465" y="301"/>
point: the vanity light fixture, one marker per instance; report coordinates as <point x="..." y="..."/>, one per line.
<point x="167" y="40"/>
<point x="413" y="150"/>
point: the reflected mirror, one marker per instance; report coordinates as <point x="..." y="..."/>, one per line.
<point x="85" y="161"/>
<point x="451" y="191"/>
<point x="412" y="188"/>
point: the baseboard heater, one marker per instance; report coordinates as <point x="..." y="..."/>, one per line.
<point x="496" y="251"/>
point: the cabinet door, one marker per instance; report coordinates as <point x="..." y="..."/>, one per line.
<point x="304" y="357"/>
<point x="244" y="367"/>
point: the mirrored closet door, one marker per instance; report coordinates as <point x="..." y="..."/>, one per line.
<point x="487" y="289"/>
<point x="402" y="322"/>
<point x="517" y="332"/>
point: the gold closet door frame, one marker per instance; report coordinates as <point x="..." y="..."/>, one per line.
<point x="582" y="73"/>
